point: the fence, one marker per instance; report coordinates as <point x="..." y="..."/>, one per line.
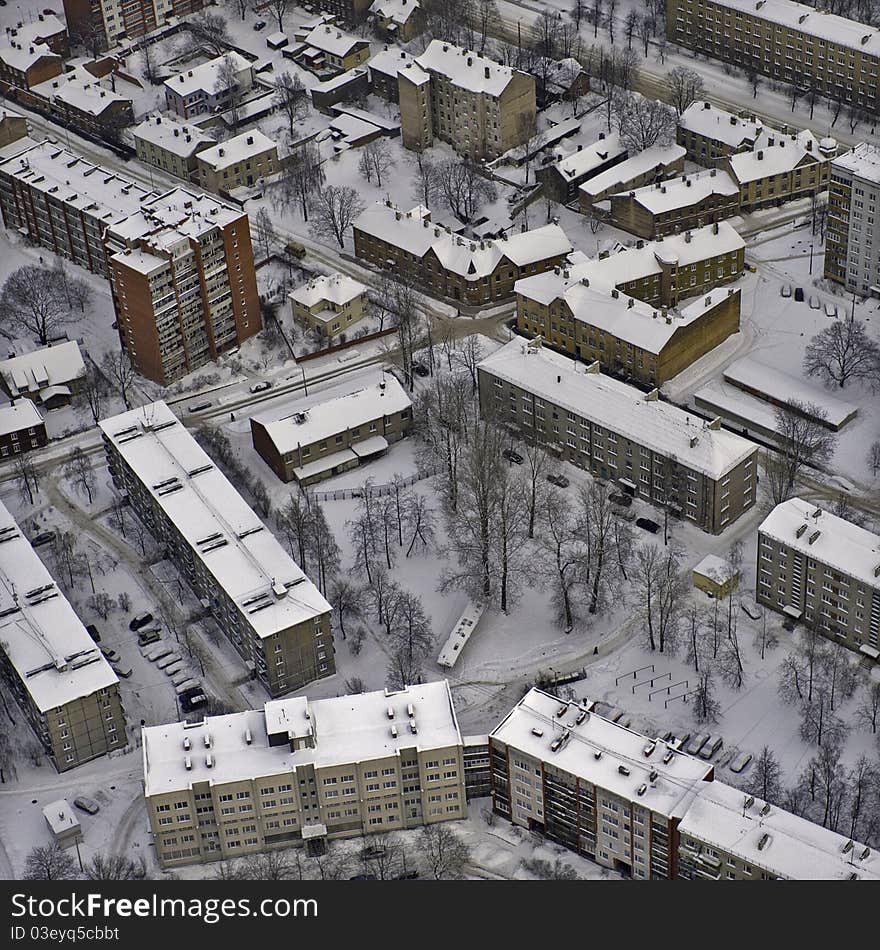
<point x="343" y="494"/>
<point x="348" y="343"/>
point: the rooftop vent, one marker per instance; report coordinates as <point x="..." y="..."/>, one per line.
<point x="207" y="740"/>
<point x="248" y="737"/>
<point x="623" y="770"/>
<point x="763" y="841"/>
<point x="765" y="809"/>
<point x="537" y="732"/>
<point x="800" y="530"/>
<point x="814" y="536"/>
<point x="413" y="728"/>
<point x="597" y="754"/>
<point x="209" y="761"/>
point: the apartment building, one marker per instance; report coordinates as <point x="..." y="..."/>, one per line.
<point x="852" y="239"/>
<point x="591" y="785"/>
<point x="303" y="771"/>
<point x="478" y="106"/>
<point x="333" y="431"/>
<point x="21" y="428"/>
<point x="13" y="128"/>
<point x="271" y="612"/>
<point x="329" y="304"/>
<point x="25" y="65"/>
<point x="561" y="179"/>
<point x="383" y="69"/>
<point x="63" y="685"/>
<point x="726" y="834"/>
<point x="184" y="287"/>
<point x="343" y="11"/>
<point x="710" y="134"/>
<point x="208" y="88"/>
<point x="327" y="47"/>
<point x="789" y="42"/>
<point x="649" y="166"/>
<point x="44" y="375"/>
<point x="678" y="204"/>
<point x="401" y="20"/>
<point x="45" y="28"/>
<point x="63" y="202"/>
<point x="472" y="271"/>
<point x="823" y="571"/>
<point x="84" y="103"/>
<point x="239" y="162"/>
<point x="665" y="455"/>
<point x="113" y="21"/>
<point x="171" y="145"/>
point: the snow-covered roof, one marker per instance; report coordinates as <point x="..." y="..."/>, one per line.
<point x="237" y="149"/>
<point x="840" y="544"/>
<point x="657" y="156"/>
<point x="78" y="183"/>
<point x="60" y="817"/>
<point x="749" y="373"/>
<point x="172" y="136"/>
<point x="582" y="162"/>
<point x="684" y="191"/>
<point x="768" y="837"/>
<point x="863" y="162"/>
<point x="344" y="730"/>
<point x="331" y="39"/>
<point x="45" y="641"/>
<point x="336" y="288"/>
<point x="43" y="27"/>
<point x="204" y="78"/>
<point x="811" y="22"/>
<point x="18" y="415"/>
<point x="50" y="366"/>
<point x="414" y="73"/>
<point x="236" y="548"/>
<point x="80" y="90"/>
<point x="716" y="568"/>
<point x="783" y="156"/>
<point x="708" y="120"/>
<point x="22" y="56"/>
<point x="326" y="414"/>
<point x="602" y="753"/>
<point x="465" y="68"/>
<point x="659" y="426"/>
<point x="472" y="259"/>
<point x="398" y="11"/>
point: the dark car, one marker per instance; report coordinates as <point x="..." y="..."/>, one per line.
<point x="146" y="637"/>
<point x="199" y="406"/>
<point x="260" y="25"/>
<point x="560" y="481"/>
<point x="621" y="498"/>
<point x="799" y="294"/>
<point x="93" y="632"/>
<point x="141" y="620"/>
<point x="86" y="804"/>
<point x="648" y="525"/>
<point x="421" y="370"/>
<point x="512" y="456"/>
<point x="44" y="537"/>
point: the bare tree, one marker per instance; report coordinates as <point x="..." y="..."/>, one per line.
<point x="277" y="8"/>
<point x="819" y="724"/>
<point x="578" y="11"/>
<point x="803" y="442"/>
<point x="119" y="369"/>
<point x="562" y="556"/>
<point x="660" y="591"/>
<point x="302" y="176"/>
<point x="376" y="159"/>
<point x="874" y="457"/>
<point x="444" y="852"/>
<point x="230" y="88"/>
<point x="765" y="781"/>
<point x="382" y="854"/>
<point x="114" y="867"/>
<point x="95" y="390"/>
<point x="26" y="478"/>
<point x="462" y="189"/>
<point x="49" y="863"/>
<point x="867" y="713"/>
<point x="334" y="208"/>
<point x="643" y="123"/>
<point x="241" y="7"/>
<point x="630" y="26"/>
<point x="487" y="20"/>
<point x="645" y="32"/>
<point x="706" y="706"/>
<point x="33" y="300"/>
<point x="842" y="351"/>
<point x="685" y="87"/>
<point x="209" y="30"/>
<point x="292" y="98"/>
<point x="425" y="186"/>
<point x="347" y="599"/>
<point x="264" y="231"/>
<point x="754" y="79"/>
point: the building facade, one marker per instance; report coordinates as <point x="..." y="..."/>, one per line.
<point x="183" y="282"/>
<point x="84" y="103"/>
<point x="60" y="679"/>
<point x="170" y="145"/>
<point x="710" y="134"/>
<point x="667" y="457"/>
<point x="787" y="41"/>
<point x="329" y="305"/>
<point x="21" y="429"/>
<point x="852" y="240"/>
<point x="25" y="65"/>
<point x="271" y="612"/>
<point x="478" y="106"/>
<point x="303" y="771"/>
<point x="823" y="571"/>
<point x="209" y="87"/>
<point x="239" y="162"/>
<point x="401" y="20"/>
<point x="560" y="180"/>
<point x="108" y="22"/>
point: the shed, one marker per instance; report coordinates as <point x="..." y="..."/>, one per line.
<point x="715" y="576"/>
<point x="63" y="823"/>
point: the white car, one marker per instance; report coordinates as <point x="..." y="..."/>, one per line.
<point x="814" y="303"/>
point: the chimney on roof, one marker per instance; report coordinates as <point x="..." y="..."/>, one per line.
<point x="760" y="155"/>
<point x="653" y="395"/>
<point x="250" y="140"/>
<point x="580" y="147"/>
<point x="470" y="61"/>
<point x="222" y="152"/>
<point x="487" y="72"/>
<point x="715" y="424"/>
<point x="733" y="120"/>
<point x="715" y="228"/>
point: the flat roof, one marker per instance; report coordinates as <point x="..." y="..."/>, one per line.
<point x="659" y="426"/>
<point x="840" y="544"/>
<point x="44" y="639"/>
<point x="603" y="752"/>
<point x="863" y="161"/>
<point x="346" y="730"/>
<point x="237" y="549"/>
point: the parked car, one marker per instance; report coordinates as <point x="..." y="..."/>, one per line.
<point x="621" y="498"/>
<point x="786" y="290"/>
<point x="261" y="387"/>
<point x="740" y="762"/>
<point x="86" y="804"/>
<point x="123" y="671"/>
<point x="111" y="655"/>
<point x="141" y="620"/>
<point x="512" y="456"/>
<point x="713" y="744"/>
<point x="814" y="303"/>
<point x="421" y="370"/>
<point x="260" y="25"/>
<point x="189" y="703"/>
<point x="44" y="537"/>
<point x="93" y="632"/>
<point x="146" y="637"/>
<point x="799" y="294"/>
<point x="831" y="311"/>
<point x="560" y="481"/>
<point x="199" y="406"/>
<point x="648" y="525"/>
<point x="750" y="609"/>
<point x="187" y="686"/>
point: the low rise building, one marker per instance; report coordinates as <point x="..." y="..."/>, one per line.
<point x="85" y="103"/>
<point x="715" y="576"/>
<point x="650" y="166"/>
<point x="823" y="571"/>
<point x="47" y="376"/>
<point x="678" y="204"/>
<point x="472" y="271"/>
<point x="63" y="823"/>
<point x="330" y="48"/>
<point x="383" y="69"/>
<point x="333" y="431"/>
<point x="665" y="455"/>
<point x="171" y="145"/>
<point x="44" y="28"/>
<point x="329" y="305"/>
<point x="13" y="128"/>
<point x="401" y="20"/>
<point x="25" y="65"/>
<point x="239" y="162"/>
<point x="21" y="429"/>
<point x="303" y="771"/>
<point x="209" y="87"/>
<point x="711" y="134"/>
<point x="562" y="179"/>
<point x="58" y="676"/>
<point x="271" y="612"/>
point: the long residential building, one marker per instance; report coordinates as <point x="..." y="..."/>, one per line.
<point x="822" y="570"/>
<point x="470" y="270"/>
<point x="302" y="771"/>
<point x="665" y="455"/>
<point x="478" y="106"/>
<point x="63" y="202"/>
<point x="649" y="166"/>
<point x="84" y="103"/>
<point x="710" y="134"/>
<point x="852" y="241"/>
<point x="267" y="607"/>
<point x="113" y="21"/>
<point x="183" y="282"/>
<point x="787" y="41"/>
<point x="171" y="145"/>
<point x="59" y="677"/>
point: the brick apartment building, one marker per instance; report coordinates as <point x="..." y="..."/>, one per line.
<point x="239" y="162"/>
<point x="112" y="21"/>
<point x="25" y="65"/>
<point x="21" y="429"/>
<point x="183" y="282"/>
